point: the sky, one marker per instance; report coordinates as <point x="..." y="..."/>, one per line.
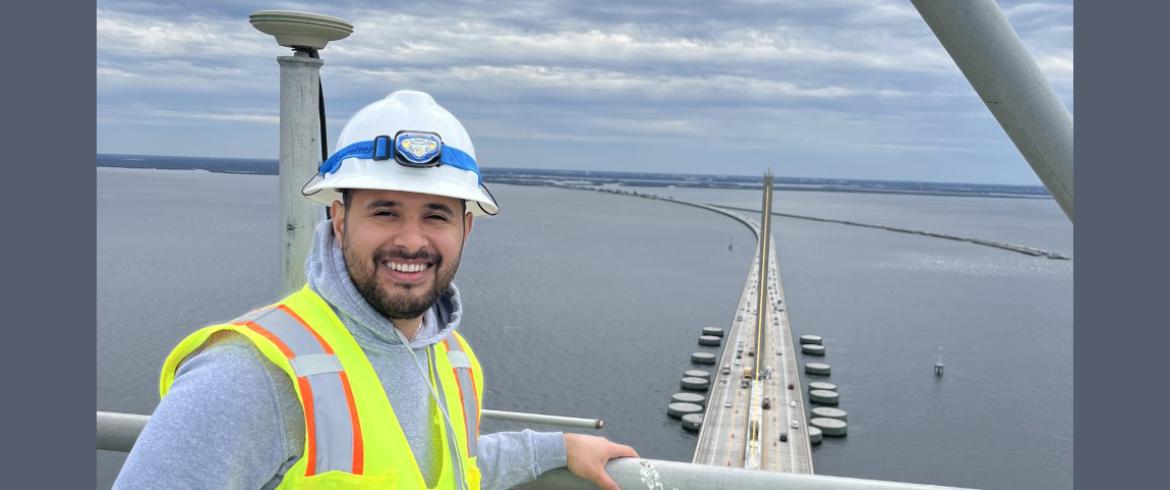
<point x="831" y="88"/>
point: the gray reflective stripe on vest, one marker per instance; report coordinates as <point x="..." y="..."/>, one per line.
<point x="332" y="423"/>
<point x="462" y="366"/>
<point x="452" y="446"/>
<point x="458" y="358"/>
<point x="313" y="364"/>
<point x="252" y="315"/>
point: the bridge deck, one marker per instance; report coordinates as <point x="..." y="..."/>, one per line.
<point x="723" y="440"/>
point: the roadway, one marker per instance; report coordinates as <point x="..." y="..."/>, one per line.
<point x="727" y="437"/>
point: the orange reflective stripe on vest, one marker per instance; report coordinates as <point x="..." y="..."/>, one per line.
<point x="332" y="432"/>
<point x="352" y="435"/>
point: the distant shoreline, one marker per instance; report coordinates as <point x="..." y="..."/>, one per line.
<point x="580" y="178"/>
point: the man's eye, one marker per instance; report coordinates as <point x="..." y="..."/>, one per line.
<point x="384" y="213"/>
<point x="438" y="217"/>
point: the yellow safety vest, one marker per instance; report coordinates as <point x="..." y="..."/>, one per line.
<point x="352" y="437"/>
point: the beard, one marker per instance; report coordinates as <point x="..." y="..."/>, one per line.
<point x="403" y="302"/>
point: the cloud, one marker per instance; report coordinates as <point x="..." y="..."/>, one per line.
<point x="124" y="34"/>
<point x="430" y="41"/>
<point x="528" y="81"/>
<point x="917" y="148"/>
<point x="1057" y="66"/>
<point x="1028" y="14"/>
<point x="155" y="116"/>
<point x="839" y="77"/>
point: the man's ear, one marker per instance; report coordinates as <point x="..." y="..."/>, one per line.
<point x="466" y="225"/>
<point x="337" y="211"/>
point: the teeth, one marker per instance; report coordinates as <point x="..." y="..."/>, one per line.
<point x="406" y="267"/>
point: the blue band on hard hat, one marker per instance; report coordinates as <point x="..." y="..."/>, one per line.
<point x="379" y="149"/>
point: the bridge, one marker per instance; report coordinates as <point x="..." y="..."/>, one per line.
<point x="756" y="395"/>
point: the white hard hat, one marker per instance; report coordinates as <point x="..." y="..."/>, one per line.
<point x="404" y="142"/>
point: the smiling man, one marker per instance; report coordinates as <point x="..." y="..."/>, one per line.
<point x="401" y="273"/>
<point x="360" y="379"/>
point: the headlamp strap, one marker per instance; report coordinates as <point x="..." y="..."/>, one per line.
<point x="382" y="148"/>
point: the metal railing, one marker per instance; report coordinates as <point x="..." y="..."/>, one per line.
<point x="118" y="431"/>
<point x="536" y="418"/>
<point x="655" y="474"/>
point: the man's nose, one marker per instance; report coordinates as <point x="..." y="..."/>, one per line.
<point x="410" y="236"/>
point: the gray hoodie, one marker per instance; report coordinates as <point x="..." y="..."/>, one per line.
<point x="232" y="419"/>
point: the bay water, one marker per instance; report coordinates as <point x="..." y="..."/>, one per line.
<point x="589" y="304"/>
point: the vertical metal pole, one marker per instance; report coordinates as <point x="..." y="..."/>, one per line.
<point x="300" y="131"/>
<point x="989" y="53"/>
<point x="300" y="152"/>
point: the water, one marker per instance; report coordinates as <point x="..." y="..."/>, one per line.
<point x="577" y="303"/>
<point x="589" y="304"/>
<point x="1001" y="416"/>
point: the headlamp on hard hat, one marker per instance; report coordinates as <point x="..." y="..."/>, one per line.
<point x="418" y="149"/>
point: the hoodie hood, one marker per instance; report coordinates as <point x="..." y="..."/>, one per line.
<point x="328" y="277"/>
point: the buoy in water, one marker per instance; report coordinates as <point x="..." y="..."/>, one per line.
<point x="938" y="365"/>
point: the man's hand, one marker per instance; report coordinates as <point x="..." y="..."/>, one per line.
<point x="587" y="456"/>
